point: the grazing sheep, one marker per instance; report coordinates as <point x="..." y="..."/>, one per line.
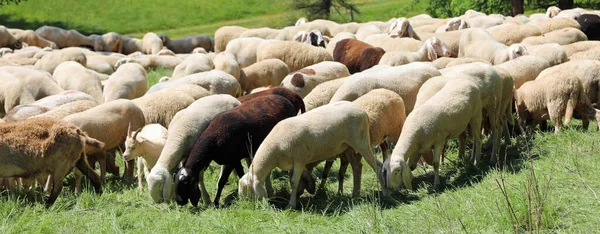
<point x="445" y="62"/>
<point x="513" y="35"/>
<point x="333" y="41"/>
<point x="227" y="62"/>
<point x="245" y="49"/>
<point x="8" y="40"/>
<point x="65" y="38"/>
<point x="556" y="24"/>
<point x="110" y="42"/>
<point x="367" y="30"/>
<point x="68" y="109"/>
<point x="215" y="81"/>
<point x="405" y="80"/>
<point x="590" y="25"/>
<point x="524" y="68"/>
<point x="46" y="147"/>
<point x="484" y="21"/>
<point x="73" y="76"/>
<point x="356" y="55"/>
<point x="32" y="39"/>
<point x="186" y="127"/>
<point x="451" y="38"/>
<point x="290" y="95"/>
<point x="187" y="44"/>
<point x="51" y="60"/>
<point x="288" y="33"/>
<point x="163" y="111"/>
<point x="563" y="36"/>
<point x="431" y="49"/>
<point x="389" y="44"/>
<point x="478" y="43"/>
<point x="13" y="92"/>
<point x="146" y="143"/>
<point x="40" y="84"/>
<point x="268" y="72"/>
<point x="322" y="93"/>
<point x="225" y="34"/>
<point x="248" y="124"/>
<point x="444" y="116"/>
<point x="131" y="45"/>
<point x="193" y="64"/>
<point x="128" y="82"/>
<point x="305" y="80"/>
<point x="295" y="54"/>
<point x="554" y="53"/>
<point x="581" y="46"/>
<point x="317" y="135"/>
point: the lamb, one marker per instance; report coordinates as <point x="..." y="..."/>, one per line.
<point x="478" y="43"/>
<point x="13" y="92"/>
<point x="40" y="84"/>
<point x="45" y="146"/>
<point x="215" y="81"/>
<point x="401" y="28"/>
<point x="551" y="95"/>
<point x="65" y="38"/>
<point x="227" y="62"/>
<point x="405" y="80"/>
<point x="513" y="35"/>
<point x="187" y="44"/>
<point x="268" y="72"/>
<point x="32" y="39"/>
<point x="389" y="44"/>
<point x="68" y="109"/>
<point x="73" y="76"/>
<point x="128" y="82"/>
<point x="146" y="143"/>
<point x="186" y="127"/>
<point x="561" y="36"/>
<point x="322" y="93"/>
<point x="195" y="63"/>
<point x="247" y="124"/>
<point x="431" y="49"/>
<point x="295" y="54"/>
<point x="590" y="25"/>
<point x="357" y="55"/>
<point x="445" y="115"/>
<point x="305" y="80"/>
<point x="554" y="53"/>
<point x="225" y="34"/>
<point x="581" y="46"/>
<point x="51" y="60"/>
<point x="524" y="68"/>
<point x="292" y="144"/>
<point x="8" y="40"/>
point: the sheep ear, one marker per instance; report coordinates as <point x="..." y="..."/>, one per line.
<point x="411" y="32"/>
<point x="129" y="130"/>
<point x="168" y="187"/>
<point x="406" y="175"/>
<point x="431" y="53"/>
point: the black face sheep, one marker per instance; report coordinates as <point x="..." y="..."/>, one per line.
<point x="230" y="137"/>
<point x="43" y="146"/>
<point x="357" y="55"/>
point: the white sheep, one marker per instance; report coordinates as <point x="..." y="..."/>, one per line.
<point x="555" y="24"/>
<point x="451" y="38"/>
<point x="40" y="84"/>
<point x="295" y="54"/>
<point x="478" y="43"/>
<point x="215" y="81"/>
<point x="227" y="62"/>
<point x="268" y="72"/>
<point x="305" y="80"/>
<point x="161" y="106"/>
<point x="13" y="92"/>
<point x="401" y="28"/>
<point x="264" y="33"/>
<point x="563" y="36"/>
<point x="515" y="34"/>
<point x="32" y="39"/>
<point x="430" y="51"/>
<point x="195" y="63"/>
<point x="338" y="37"/>
<point x="322" y="93"/>
<point x="580" y="46"/>
<point x="554" y="53"/>
<point x="313" y="136"/>
<point x="524" y="68"/>
<point x="73" y="76"/>
<point x="146" y="143"/>
<point x="50" y="61"/>
<point x="389" y="44"/>
<point x="186" y="127"/>
<point x="151" y="61"/>
<point x="245" y="49"/>
<point x="187" y="44"/>
<point x="64" y="38"/>
<point x="128" y="82"/>
<point x="225" y="34"/>
<point x="151" y="43"/>
<point x="589" y="54"/>
<point x="68" y="109"/>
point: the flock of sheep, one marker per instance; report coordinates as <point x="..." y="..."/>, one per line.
<point x="289" y="98"/>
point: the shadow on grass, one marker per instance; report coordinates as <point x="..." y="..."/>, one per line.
<point x="11" y="21"/>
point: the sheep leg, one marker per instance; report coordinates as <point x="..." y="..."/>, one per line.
<point x="77" y="181"/>
<point x="139" y="174"/>
<point x="356" y="171"/>
<point x="128" y="174"/>
<point x="85" y="168"/>
<point x="555" y="116"/>
<point x="203" y="192"/>
<point x="462" y="138"/>
<point x="295" y="179"/>
<point x="223" y="177"/>
<point x="384" y="149"/>
<point x="437" y="151"/>
<point x="111" y="166"/>
<point x="326" y="169"/>
<point x="56" y="188"/>
<point x="344" y="160"/>
<point x="476" y="132"/>
<point x="269" y="186"/>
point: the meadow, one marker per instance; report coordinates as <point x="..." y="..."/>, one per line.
<point x="548" y="184"/>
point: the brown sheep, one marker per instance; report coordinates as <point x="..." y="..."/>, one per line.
<point x="357" y="55"/>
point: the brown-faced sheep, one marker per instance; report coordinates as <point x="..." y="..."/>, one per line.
<point x="295" y="54"/>
<point x="268" y="72"/>
<point x="305" y="80"/>
<point x="357" y="55"/>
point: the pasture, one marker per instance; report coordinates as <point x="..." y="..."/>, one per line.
<point x="549" y="183"/>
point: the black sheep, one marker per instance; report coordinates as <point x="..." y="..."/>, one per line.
<point x="590" y="25"/>
<point x="230" y="137"/>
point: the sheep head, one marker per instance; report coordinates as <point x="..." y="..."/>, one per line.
<point x="186" y="187"/>
<point x="552" y="11"/>
<point x="436" y="48"/>
<point x="160" y="184"/>
<point x="301" y="21"/>
<point x="301" y="36"/>
<point x="453" y="24"/>
<point x="516" y="50"/>
<point x="250" y="187"/>
<point x="401" y="28"/>
<point x="113" y="42"/>
<point x="317" y="39"/>
<point x="396" y="172"/>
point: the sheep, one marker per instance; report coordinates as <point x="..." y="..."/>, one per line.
<point x="551" y="95"/>
<point x="367" y="30"/>
<point x="451" y="38"/>
<point x="40" y="84"/>
<point x="163" y="111"/>
<point x="512" y="35"/>
<point x="193" y="64"/>
<point x="304" y="81"/>
<point x="264" y="33"/>
<point x="65" y="38"/>
<point x="322" y="93"/>
<point x="65" y="97"/>
<point x="445" y="115"/>
<point x="245" y="49"/>
<point x="68" y="109"/>
<point x="215" y="81"/>
<point x="44" y="146"/>
<point x="287" y="33"/>
<point x="554" y="53"/>
<point x="146" y="143"/>
<point x="581" y="46"/>
<point x="590" y="54"/>
<point x="524" y="68"/>
<point x="73" y="76"/>
<point x="32" y="39"/>
<point x="356" y="55"/>
<point x="151" y="43"/>
<point x="483" y="21"/>
<point x="131" y="45"/>
<point x="268" y="72"/>
<point x="110" y="42"/>
<point x="186" y="127"/>
<point x="22" y="112"/>
<point x="8" y="40"/>
<point x="478" y="43"/>
<point x="445" y="62"/>
<point x="590" y="25"/>
<point x="389" y="44"/>
<point x="571" y="13"/>
<point x="247" y="124"/>
<point x="314" y="136"/>
<point x="151" y="61"/>
<point x="401" y="28"/>
<point x="295" y="54"/>
<point x="13" y="92"/>
<point x="128" y="82"/>
<point x="405" y="80"/>
<point x="301" y="21"/>
<point x="452" y="25"/>
<point x="314" y="38"/>
<point x="187" y="44"/>
<point x="556" y="24"/>
<point x="338" y="37"/>
<point x="50" y="61"/>
<point x="563" y="36"/>
<point x="431" y="49"/>
<point x="227" y="62"/>
<point x="290" y="95"/>
<point x="225" y="34"/>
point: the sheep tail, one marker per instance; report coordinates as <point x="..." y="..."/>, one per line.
<point x="509" y="114"/>
<point x="571" y="103"/>
<point x="93" y="142"/>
